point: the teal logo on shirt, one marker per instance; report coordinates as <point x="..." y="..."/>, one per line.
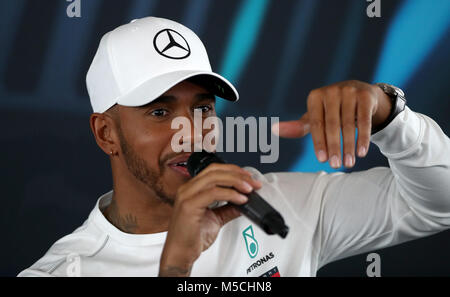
<point x="250" y="242"/>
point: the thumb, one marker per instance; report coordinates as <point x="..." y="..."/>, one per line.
<point x="292" y="129"/>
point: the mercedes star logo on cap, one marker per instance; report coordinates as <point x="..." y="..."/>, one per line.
<point x="171" y="44"/>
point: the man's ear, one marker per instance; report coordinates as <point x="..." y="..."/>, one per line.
<point x="104" y="129"/>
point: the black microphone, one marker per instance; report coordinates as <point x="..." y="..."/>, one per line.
<point x="256" y="208"/>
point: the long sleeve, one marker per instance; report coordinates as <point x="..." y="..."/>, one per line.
<point x="381" y="207"/>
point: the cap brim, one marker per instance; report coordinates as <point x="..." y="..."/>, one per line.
<point x="157" y="86"/>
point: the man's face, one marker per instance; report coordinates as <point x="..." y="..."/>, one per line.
<point x="145" y="137"/>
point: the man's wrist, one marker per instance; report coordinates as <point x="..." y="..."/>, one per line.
<point x="174" y="271"/>
<point x="398" y="103"/>
<point x="384" y="109"/>
<point x="175" y="264"/>
<point x="175" y="268"/>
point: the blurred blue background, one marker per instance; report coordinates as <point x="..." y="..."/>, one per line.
<point x="275" y="52"/>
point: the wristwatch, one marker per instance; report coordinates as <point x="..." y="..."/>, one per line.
<point x="398" y="99"/>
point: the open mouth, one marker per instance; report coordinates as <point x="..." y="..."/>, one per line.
<point x="179" y="165"/>
<point x="182" y="164"/>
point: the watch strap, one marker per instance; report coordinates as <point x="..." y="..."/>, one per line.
<point x="398" y="105"/>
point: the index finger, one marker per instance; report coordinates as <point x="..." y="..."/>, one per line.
<point x="317" y="125"/>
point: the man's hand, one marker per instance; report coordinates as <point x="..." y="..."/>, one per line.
<point x="342" y="106"/>
<point x="193" y="226"/>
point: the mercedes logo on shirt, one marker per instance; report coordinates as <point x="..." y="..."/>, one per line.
<point x="171" y="44"/>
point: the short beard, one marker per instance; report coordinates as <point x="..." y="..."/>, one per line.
<point x="137" y="166"/>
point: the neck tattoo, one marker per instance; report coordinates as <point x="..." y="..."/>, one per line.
<point x="127" y="223"/>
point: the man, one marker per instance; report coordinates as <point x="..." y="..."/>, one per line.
<point x="156" y="221"/>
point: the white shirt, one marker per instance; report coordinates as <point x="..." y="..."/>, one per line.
<point x="331" y="216"/>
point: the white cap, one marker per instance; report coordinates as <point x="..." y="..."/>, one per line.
<point x="138" y="62"/>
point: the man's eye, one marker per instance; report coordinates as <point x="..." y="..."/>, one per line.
<point x="204" y="108"/>
<point x="159" y="112"/>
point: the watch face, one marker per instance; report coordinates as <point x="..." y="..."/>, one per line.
<point x="398" y="91"/>
<point x="391" y="90"/>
